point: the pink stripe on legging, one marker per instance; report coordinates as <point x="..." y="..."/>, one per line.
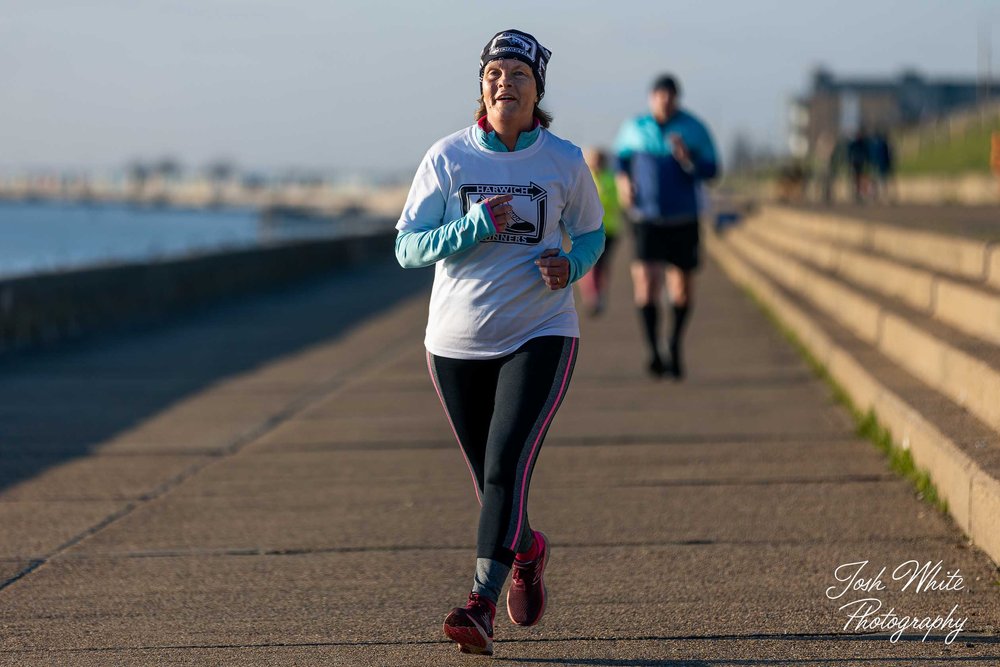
<point x="538" y="441"/>
<point x="475" y="483"/>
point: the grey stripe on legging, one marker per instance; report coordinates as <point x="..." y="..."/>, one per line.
<point x="436" y="381"/>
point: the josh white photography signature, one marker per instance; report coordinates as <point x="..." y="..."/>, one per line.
<point x="864" y="614"/>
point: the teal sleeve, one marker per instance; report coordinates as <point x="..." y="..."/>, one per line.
<point x="584" y="253"/>
<point x="626" y="141"/>
<point x="423" y="248"/>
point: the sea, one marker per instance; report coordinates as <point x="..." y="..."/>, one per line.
<point x="44" y="237"/>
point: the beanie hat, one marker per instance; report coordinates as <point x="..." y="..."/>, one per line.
<point x="520" y="46"/>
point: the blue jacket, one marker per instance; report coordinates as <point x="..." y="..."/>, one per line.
<point x="662" y="190"/>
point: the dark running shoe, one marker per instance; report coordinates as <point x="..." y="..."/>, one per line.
<point x="527" y="596"/>
<point x="471" y="626"/>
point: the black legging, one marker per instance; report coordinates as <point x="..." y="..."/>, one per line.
<point x="500" y="410"/>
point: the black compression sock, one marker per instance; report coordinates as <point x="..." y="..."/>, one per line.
<point x="650" y="317"/>
<point x="680" y="318"/>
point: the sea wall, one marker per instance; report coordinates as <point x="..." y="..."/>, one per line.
<point x="46" y="308"/>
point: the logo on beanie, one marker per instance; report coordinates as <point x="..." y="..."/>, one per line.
<point x="508" y="42"/>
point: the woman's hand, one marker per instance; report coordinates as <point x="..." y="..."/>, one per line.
<point x="554" y="269"/>
<point x="500" y="210"/>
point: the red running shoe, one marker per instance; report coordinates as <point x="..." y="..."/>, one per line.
<point x="471" y="626"/>
<point x="526" y="596"/>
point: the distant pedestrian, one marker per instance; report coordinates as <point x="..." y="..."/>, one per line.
<point x="858" y="158"/>
<point x="488" y="207"/>
<point x="882" y="165"/>
<point x="663" y="157"/>
<point x="594" y="285"/>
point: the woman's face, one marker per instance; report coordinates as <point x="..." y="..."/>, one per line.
<point x="509" y="92"/>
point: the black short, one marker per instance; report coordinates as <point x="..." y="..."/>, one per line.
<point x="673" y="244"/>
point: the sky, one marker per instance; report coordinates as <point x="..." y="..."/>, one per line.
<point x="343" y="85"/>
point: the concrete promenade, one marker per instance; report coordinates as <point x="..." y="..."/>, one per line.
<point x="273" y="482"/>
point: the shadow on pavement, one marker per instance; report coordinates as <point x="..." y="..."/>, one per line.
<point x="616" y="662"/>
<point x="746" y="646"/>
<point x="58" y="404"/>
<point x="623" y="662"/>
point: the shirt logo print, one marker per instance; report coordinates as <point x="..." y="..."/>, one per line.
<point x="510" y="42"/>
<point x="527" y="225"/>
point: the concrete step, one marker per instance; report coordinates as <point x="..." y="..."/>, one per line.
<point x="972" y="259"/>
<point x="965" y="369"/>
<point x="957" y="449"/>
<point x="970" y="306"/>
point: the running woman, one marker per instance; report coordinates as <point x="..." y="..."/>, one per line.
<point x="488" y="207"/>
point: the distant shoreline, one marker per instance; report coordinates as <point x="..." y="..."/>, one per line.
<point x="320" y="199"/>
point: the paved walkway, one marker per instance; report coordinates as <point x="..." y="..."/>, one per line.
<point x="274" y="483"/>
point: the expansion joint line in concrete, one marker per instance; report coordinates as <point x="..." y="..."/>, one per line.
<point x="617" y="441"/>
<point x="408" y="548"/>
<point x="320" y="392"/>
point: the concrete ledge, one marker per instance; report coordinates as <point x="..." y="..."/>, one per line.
<point x="47" y="308"/>
<point x="819" y="252"/>
<point x="984" y="508"/>
<point x="970" y="309"/>
<point x="948" y="254"/>
<point x="951" y="469"/>
<point x="966" y="380"/>
<point x="839" y="229"/>
<point x="972" y="495"/>
<point x="851" y="309"/>
<point x="913" y="286"/>
<point x="964" y="189"/>
<point x="966" y="258"/>
<point x="993" y="270"/>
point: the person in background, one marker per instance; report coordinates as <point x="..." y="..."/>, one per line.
<point x="663" y="158"/>
<point x="488" y="208"/>
<point x="858" y="158"/>
<point x="882" y="165"/>
<point x="594" y="285"/>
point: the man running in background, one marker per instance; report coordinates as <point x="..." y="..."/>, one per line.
<point x="663" y="158"/>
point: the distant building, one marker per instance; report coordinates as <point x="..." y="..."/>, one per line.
<point x="839" y="107"/>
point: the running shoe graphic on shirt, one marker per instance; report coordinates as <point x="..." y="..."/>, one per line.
<point x="519" y="225"/>
<point x="529" y="201"/>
